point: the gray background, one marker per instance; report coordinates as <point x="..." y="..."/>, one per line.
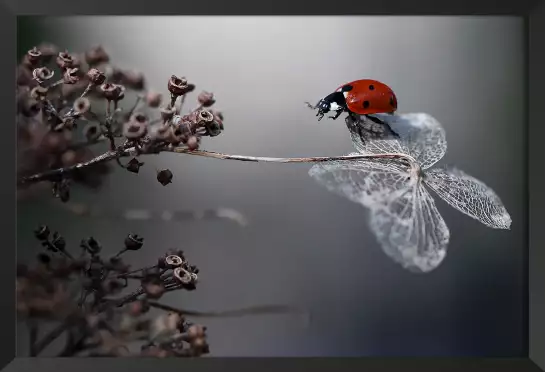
<point x="305" y="246"/>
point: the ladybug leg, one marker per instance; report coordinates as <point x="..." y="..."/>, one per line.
<point x="383" y="123"/>
<point x="336" y="116"/>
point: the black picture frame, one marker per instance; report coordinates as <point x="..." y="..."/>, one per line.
<point x="534" y="14"/>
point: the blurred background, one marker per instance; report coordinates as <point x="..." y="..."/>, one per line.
<point x="305" y="246"/>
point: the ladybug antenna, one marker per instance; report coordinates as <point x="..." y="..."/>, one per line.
<point x="313" y="107"/>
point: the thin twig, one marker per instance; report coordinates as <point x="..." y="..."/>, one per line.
<point x="112" y="155"/>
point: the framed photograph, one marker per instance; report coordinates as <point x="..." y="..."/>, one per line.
<point x="269" y="187"/>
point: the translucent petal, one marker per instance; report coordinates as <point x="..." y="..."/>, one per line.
<point x="468" y="195"/>
<point x="410" y="230"/>
<point x="403" y="215"/>
<point x="363" y="182"/>
<point x="420" y="135"/>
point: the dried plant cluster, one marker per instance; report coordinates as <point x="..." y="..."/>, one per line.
<point x="67" y="102"/>
<point x="102" y="306"/>
<point x="98" y="308"/>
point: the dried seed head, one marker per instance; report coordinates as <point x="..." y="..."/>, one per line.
<point x="96" y="55"/>
<point x="33" y="56"/>
<point x="121" y="93"/>
<point x="136" y="127"/>
<point x="71" y="75"/>
<point x="183" y="276"/>
<point x="66" y="60"/>
<point x="133" y="242"/>
<point x="81" y="105"/>
<point x="164" y="177"/>
<point x="206" y="99"/>
<point x="214" y="128"/>
<point x="39" y="93"/>
<point x="172" y="261"/>
<point x="192" y="143"/>
<point x="91" y="132"/>
<point x="133" y="79"/>
<point x="154" y="290"/>
<point x="179" y="86"/>
<point x="176" y="134"/>
<point x="204" y="117"/>
<point x="161" y="132"/>
<point x="96" y="76"/>
<point x="30" y="107"/>
<point x="58" y="241"/>
<point x="42" y="232"/>
<point x="167" y="113"/>
<point x="24" y="76"/>
<point x="153" y="99"/>
<point x="91" y="245"/>
<point x="134" y="165"/>
<point x="110" y="91"/>
<point x="42" y="74"/>
<point x="196" y="331"/>
<point x="139" y="307"/>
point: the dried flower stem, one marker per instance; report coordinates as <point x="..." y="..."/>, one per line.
<point x="111" y="155"/>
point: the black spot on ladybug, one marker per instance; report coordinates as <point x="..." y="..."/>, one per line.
<point x="347" y="88"/>
<point x="365" y="104"/>
<point x="371" y="87"/>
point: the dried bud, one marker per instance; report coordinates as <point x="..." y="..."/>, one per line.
<point x="153" y="99"/>
<point x="33" y="56"/>
<point x="30" y="107"/>
<point x="179" y="86"/>
<point x="134" y="165"/>
<point x="133" y="79"/>
<point x="96" y="77"/>
<point x="96" y="56"/>
<point x="176" y="134"/>
<point x="111" y="91"/>
<point x="133" y="242"/>
<point x="154" y="290"/>
<point x="206" y="99"/>
<point x="136" y="127"/>
<point x="161" y="132"/>
<point x="58" y="241"/>
<point x="24" y="77"/>
<point x="42" y="74"/>
<point x="91" y="132"/>
<point x="167" y="113"/>
<point x="81" y="106"/>
<point x="214" y="127"/>
<point x="192" y="143"/>
<point x="139" y="307"/>
<point x="183" y="276"/>
<point x="164" y="177"/>
<point x="71" y="75"/>
<point x="196" y="331"/>
<point x="66" y="60"/>
<point x="42" y="232"/>
<point x="173" y="261"/>
<point x="91" y="245"/>
<point x="121" y="93"/>
<point x="204" y="117"/>
<point x="39" y="93"/>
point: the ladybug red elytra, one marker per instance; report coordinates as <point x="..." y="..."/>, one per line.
<point x="360" y="97"/>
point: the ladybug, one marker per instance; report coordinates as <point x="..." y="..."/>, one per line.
<point x="360" y="97"/>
